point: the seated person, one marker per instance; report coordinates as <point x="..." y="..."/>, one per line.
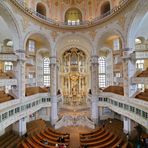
<point x="44" y="141"/>
<point x="62" y="139"/>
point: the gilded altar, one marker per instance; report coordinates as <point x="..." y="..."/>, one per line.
<point x="74" y="77"/>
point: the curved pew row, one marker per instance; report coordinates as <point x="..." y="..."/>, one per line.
<point x="49" y="135"/>
<point x="102" y="138"/>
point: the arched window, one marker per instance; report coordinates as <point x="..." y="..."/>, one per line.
<point x="105" y="8"/>
<point x="41" y="9"/>
<point x="46" y="71"/>
<point x="102" y="71"/>
<point x="31" y="45"/>
<point x="73" y="16"/>
<point x="116" y="44"/>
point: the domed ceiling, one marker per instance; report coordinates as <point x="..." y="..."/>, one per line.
<point x="73" y="2"/>
<point x="56" y="9"/>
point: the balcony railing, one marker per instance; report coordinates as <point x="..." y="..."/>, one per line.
<point x="22" y="5"/>
<point x="142" y="47"/>
<point x="141" y="54"/>
<point x="8" y="57"/>
<point x="7" y="49"/>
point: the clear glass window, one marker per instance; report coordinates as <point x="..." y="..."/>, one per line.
<point x="116" y="44"/>
<point x="102" y="71"/>
<point x="8" y="66"/>
<point x="31" y="46"/>
<point x="46" y="71"/>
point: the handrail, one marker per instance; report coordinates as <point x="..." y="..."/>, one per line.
<point x="22" y="5"/>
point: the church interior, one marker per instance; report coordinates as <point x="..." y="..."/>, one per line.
<point x="74" y="73"/>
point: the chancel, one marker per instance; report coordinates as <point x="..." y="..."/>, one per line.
<point x="74" y="76"/>
<point x="74" y="73"/>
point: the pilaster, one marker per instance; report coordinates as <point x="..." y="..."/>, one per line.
<point x="19" y="127"/>
<point x="19" y="69"/>
<point x="53" y="90"/>
<point x="126" y="125"/>
<point x="94" y="89"/>
<point x="129" y="69"/>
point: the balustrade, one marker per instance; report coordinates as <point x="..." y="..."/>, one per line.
<point x="86" y="23"/>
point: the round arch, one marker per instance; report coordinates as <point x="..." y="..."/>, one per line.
<point x="41" y="8"/>
<point x="77" y="41"/>
<point x="105" y="7"/>
<point x="135" y="24"/>
<point x="73" y="14"/>
<point x="107" y="33"/>
<point x="8" y="17"/>
<point x="41" y="36"/>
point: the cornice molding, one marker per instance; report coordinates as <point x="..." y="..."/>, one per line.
<point x="83" y="25"/>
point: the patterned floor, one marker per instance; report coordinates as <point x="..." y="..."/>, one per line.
<point x="75" y="130"/>
<point x="74" y="134"/>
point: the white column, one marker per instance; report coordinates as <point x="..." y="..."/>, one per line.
<point x="94" y="89"/>
<point x="127" y="125"/>
<point x="19" y="68"/>
<point x="129" y="69"/>
<point x="19" y="127"/>
<point x="53" y="88"/>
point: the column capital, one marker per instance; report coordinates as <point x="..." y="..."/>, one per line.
<point x="20" y="55"/>
<point x="53" y="60"/>
<point x="94" y="59"/>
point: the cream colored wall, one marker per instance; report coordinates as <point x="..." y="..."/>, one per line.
<point x="145" y="63"/>
<point x="57" y="8"/>
<point x="2" y="66"/>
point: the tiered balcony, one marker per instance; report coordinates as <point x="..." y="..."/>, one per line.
<point x="7" y="49"/>
<point x="117" y="52"/>
<point x="7" y="79"/>
<point x="141" y="54"/>
<point x="8" y="57"/>
<point x="135" y="109"/>
<point x="118" y="80"/>
<point x="8" y="82"/>
<point x="117" y="67"/>
<point x="141" y="77"/>
<point x="141" y="47"/>
<point x="30" y="81"/>
<point x="30" y="62"/>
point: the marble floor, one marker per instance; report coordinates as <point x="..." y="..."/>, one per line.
<point x="75" y="130"/>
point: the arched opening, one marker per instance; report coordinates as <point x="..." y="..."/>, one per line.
<point x="37" y="65"/>
<point x="41" y="9"/>
<point x="105" y="8"/>
<point x="110" y="48"/>
<point x="73" y="16"/>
